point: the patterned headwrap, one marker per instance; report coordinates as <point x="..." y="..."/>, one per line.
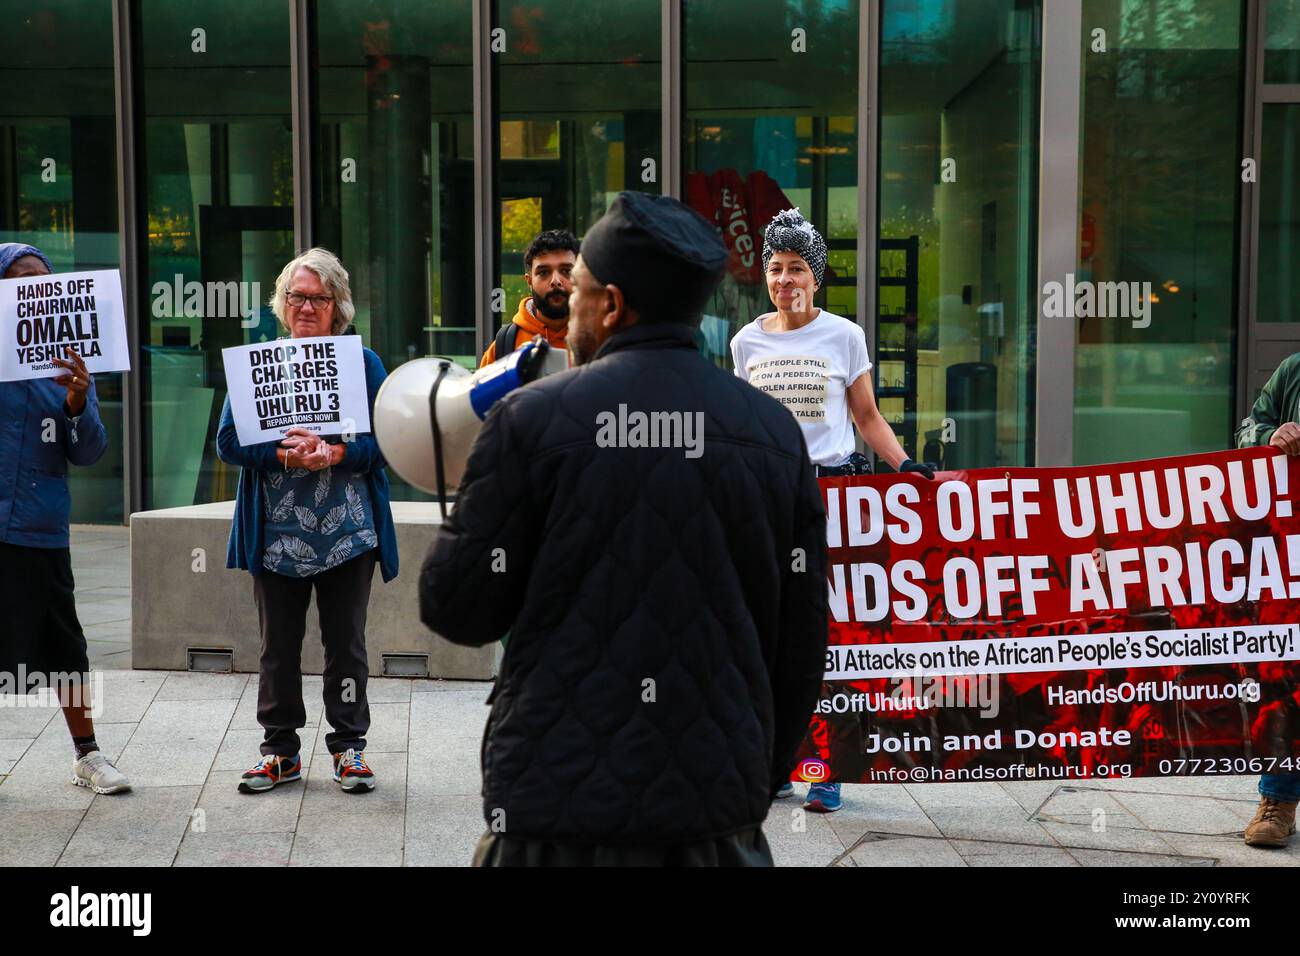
<point x="790" y="232"/>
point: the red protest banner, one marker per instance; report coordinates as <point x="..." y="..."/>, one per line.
<point x="1138" y="619"/>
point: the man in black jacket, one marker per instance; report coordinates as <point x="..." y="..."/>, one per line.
<point x="649" y="530"/>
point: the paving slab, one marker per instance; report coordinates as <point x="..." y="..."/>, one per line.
<point x="349" y="839"/>
<point x="988" y="853"/>
<point x="443" y="832"/>
<point x="1109" y="858"/>
<point x="126" y="695"/>
<point x="1180" y="814"/>
<point x="11" y="751"/>
<point x="34" y="837"/>
<point x="176" y="741"/>
<point x="892" y="851"/>
<point x="234" y="849"/>
<point x="879" y="809"/>
<point x="800" y="838"/>
<point x="188" y="686"/>
<point x="140" y="828"/>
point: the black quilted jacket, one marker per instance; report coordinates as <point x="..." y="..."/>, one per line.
<point x="667" y="639"/>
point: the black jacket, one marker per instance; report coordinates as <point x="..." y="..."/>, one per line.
<point x="667" y="614"/>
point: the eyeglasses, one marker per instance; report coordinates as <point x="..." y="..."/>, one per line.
<point x="296" y="299"/>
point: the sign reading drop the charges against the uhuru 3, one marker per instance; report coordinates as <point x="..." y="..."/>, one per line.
<point x="43" y="316"/>
<point x="1140" y="619"/>
<point x="313" y="383"/>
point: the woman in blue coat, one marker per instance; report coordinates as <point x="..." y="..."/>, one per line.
<point x="312" y="514"/>
<point x="47" y="424"/>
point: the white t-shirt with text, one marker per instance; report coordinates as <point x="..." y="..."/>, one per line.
<point x="808" y="370"/>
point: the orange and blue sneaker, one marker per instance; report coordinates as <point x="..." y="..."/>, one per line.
<point x="351" y="772"/>
<point x="270" y="772"/>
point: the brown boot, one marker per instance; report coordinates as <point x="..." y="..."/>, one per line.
<point x="1273" y="824"/>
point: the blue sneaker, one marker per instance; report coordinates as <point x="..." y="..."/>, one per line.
<point x="823" y="798"/>
<point x="787" y="790"/>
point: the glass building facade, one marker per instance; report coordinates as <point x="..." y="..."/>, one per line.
<point x="959" y="156"/>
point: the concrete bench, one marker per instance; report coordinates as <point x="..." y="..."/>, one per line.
<point x="188" y="612"/>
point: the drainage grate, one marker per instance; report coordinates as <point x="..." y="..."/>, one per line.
<point x="405" y="665"/>
<point x="210" y="660"/>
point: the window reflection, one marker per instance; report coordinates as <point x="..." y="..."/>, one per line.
<point x="770" y="107"/>
<point x="218" y="183"/>
<point x="58" y="179"/>
<point x="1161" y="136"/>
<point x="579" y="117"/>
<point x="956" y="328"/>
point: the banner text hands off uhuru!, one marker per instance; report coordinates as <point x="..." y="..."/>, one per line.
<point x="1200" y="505"/>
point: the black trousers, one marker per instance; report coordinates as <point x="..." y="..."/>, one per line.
<point x="746" y="848"/>
<point x="342" y="594"/>
<point x="38" y="625"/>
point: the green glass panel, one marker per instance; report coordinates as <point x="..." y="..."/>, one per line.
<point x="956" y="327"/>
<point x="218" y="189"/>
<point x="396" y="187"/>
<point x="1160" y="159"/>
<point x="1278" y="293"/>
<point x="58" y="163"/>
<point x="771" y="100"/>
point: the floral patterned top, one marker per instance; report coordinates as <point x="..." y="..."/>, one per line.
<point x="315" y="520"/>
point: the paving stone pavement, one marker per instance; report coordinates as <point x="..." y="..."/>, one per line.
<point x="185" y="738"/>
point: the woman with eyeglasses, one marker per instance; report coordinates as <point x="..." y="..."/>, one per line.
<point x="312" y="514"/>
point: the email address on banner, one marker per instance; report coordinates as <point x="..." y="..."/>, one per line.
<point x="1071" y="652"/>
<point x="1018" y="771"/>
<point x="1197" y="766"/>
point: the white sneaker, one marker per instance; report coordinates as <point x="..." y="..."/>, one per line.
<point x="98" y="773"/>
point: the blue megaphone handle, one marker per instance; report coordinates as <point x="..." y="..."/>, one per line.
<point x="483" y="395"/>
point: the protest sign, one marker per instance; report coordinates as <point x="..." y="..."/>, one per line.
<point x="313" y="383"/>
<point x="1138" y="619"/>
<point x="42" y="316"/>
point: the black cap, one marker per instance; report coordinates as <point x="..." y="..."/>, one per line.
<point x="664" y="256"/>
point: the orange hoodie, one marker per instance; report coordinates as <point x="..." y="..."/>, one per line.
<point x="528" y="325"/>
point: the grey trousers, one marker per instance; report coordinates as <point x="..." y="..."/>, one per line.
<point x="342" y="594"/>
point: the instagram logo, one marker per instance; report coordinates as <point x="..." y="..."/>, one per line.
<point x="813" y="771"/>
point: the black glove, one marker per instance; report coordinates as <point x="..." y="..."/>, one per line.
<point x="924" y="470"/>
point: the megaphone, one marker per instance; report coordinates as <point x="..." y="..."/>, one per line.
<point x="429" y="411"/>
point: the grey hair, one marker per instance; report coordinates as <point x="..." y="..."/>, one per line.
<point x="332" y="275"/>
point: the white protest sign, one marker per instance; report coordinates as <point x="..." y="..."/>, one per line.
<point x="313" y="383"/>
<point x="41" y="316"/>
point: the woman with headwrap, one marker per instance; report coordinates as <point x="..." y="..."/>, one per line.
<point x="45" y="424"/>
<point x="815" y="363"/>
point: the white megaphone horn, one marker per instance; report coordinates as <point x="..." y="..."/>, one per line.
<point x="429" y="411"/>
